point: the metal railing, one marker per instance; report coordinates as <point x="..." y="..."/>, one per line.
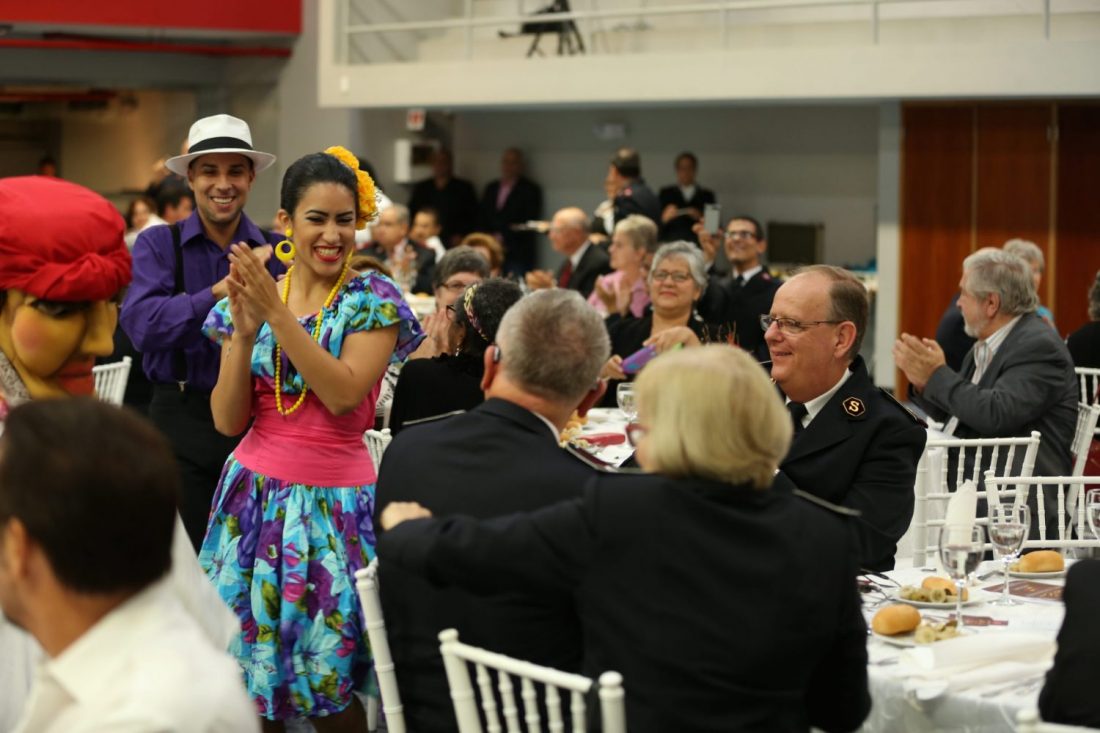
<point x="724" y="9"/>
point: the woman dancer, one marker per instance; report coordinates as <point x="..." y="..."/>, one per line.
<point x="291" y="519"/>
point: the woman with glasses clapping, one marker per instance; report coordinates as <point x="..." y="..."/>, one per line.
<point x="676" y="281"/>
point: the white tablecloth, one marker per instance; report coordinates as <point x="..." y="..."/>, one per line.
<point x="608" y="420"/>
<point x="988" y="707"/>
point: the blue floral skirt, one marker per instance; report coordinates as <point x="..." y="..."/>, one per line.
<point x="283" y="556"/>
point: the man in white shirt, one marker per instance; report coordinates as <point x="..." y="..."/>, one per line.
<point x="854" y="445"/>
<point x="88" y="498"/>
<point x="1017" y="377"/>
<point x="426" y="229"/>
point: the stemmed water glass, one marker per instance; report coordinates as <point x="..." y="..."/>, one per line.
<point x="624" y="393"/>
<point x="1092" y="511"/>
<point x="961" y="549"/>
<point x="1008" y="528"/>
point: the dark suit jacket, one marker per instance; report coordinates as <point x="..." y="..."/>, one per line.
<point x="1029" y="385"/>
<point x="496" y="459"/>
<point x="861" y="451"/>
<point x="594" y="262"/>
<point x="425" y="264"/>
<point x="1084" y="345"/>
<point x="724" y="608"/>
<point x="456" y="203"/>
<point x="1069" y="695"/>
<point x="951" y="337"/>
<point x="524" y="203"/>
<point x="637" y="198"/>
<point x="739" y="307"/>
<point x="436" y="386"/>
<point x="679" y="227"/>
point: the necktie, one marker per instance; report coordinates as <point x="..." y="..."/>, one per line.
<point x="798" y="411"/>
<point x="739" y="281"/>
<point x="566" y="274"/>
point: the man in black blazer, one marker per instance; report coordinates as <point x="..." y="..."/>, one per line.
<point x="1017" y="378"/>
<point x="454" y="199"/>
<point x="501" y="457"/>
<point x="632" y="196"/>
<point x="854" y="445"/>
<point x="682" y="205"/>
<point x="584" y="261"/>
<point x="411" y="263"/>
<point x="739" y="300"/>
<point x="512" y="199"/>
<point x="1069" y="695"/>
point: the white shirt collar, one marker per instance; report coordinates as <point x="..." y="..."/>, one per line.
<point x="575" y="258"/>
<point x="749" y="273"/>
<point x="553" y="428"/>
<point x="995" y="339"/>
<point x="687" y="192"/>
<point x="815" y="405"/>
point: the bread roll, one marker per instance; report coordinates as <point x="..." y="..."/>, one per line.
<point x="1041" y="561"/>
<point x="933" y="582"/>
<point x="898" y="618"/>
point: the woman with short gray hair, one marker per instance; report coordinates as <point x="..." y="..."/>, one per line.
<point x="676" y="281"/>
<point x="625" y="290"/>
<point x="1030" y="253"/>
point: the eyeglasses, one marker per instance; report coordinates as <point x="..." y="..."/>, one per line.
<point x="455" y="287"/>
<point x="790" y="326"/>
<point x="451" y="310"/>
<point x="741" y="234"/>
<point x="635" y="433"/>
<point x="676" y="277"/>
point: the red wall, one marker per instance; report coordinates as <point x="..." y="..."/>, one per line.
<point x="264" y="16"/>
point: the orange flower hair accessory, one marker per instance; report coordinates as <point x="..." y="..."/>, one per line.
<point x="368" y="194"/>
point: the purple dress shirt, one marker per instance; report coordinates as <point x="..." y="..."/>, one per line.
<point x="158" y="321"/>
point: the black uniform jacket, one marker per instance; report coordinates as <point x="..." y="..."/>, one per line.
<point x="496" y="459"/>
<point x="724" y="608"/>
<point x="861" y="451"/>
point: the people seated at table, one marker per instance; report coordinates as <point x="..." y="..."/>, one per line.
<point x="724" y="603"/>
<point x="88" y="498"/>
<point x="584" y="260"/>
<point x="854" y="444"/>
<point x="501" y="457"/>
<point x="737" y="301"/>
<point x="451" y="381"/>
<point x="412" y="263"/>
<point x="1069" y="695"/>
<point x="489" y="248"/>
<point x="682" y="203"/>
<point x="460" y="268"/>
<point x="425" y="229"/>
<point x="1017" y="378"/>
<point x="676" y="280"/>
<point x="1084" y="343"/>
<point x="625" y="290"/>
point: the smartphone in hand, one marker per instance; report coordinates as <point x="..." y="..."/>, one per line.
<point x="712" y="217"/>
<point x="634" y="363"/>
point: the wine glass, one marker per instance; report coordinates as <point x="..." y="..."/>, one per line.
<point x="624" y="393"/>
<point x="1092" y="511"/>
<point x="961" y="551"/>
<point x="1008" y="528"/>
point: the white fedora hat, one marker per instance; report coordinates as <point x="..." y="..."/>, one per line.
<point x="219" y="134"/>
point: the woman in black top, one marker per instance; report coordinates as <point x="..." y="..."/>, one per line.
<point x="1084" y="343"/>
<point x="452" y="381"/>
<point x="676" y="281"/>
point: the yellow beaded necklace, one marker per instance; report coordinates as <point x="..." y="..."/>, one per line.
<point x="316" y="337"/>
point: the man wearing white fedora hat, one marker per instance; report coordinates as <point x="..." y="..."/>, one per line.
<point x="180" y="272"/>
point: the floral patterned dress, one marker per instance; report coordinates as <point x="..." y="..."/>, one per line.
<point x="291" y="518"/>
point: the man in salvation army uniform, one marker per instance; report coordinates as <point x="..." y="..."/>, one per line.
<point x="854" y="445"/>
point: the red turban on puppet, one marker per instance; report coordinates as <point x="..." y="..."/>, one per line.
<point x="60" y="241"/>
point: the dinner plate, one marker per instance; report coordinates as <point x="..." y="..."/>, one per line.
<point x="907" y="639"/>
<point x="1037" y="576"/>
<point x="974" y="596"/>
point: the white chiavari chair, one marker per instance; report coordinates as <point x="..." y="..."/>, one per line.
<point x="110" y="380"/>
<point x="935" y="480"/>
<point x="1087" y="416"/>
<point x="366" y="583"/>
<point x="1089" y="380"/>
<point x="377" y="441"/>
<point x="1069" y="494"/>
<point x="455" y="658"/>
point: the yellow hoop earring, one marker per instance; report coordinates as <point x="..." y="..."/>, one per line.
<point x="284" y="250"/>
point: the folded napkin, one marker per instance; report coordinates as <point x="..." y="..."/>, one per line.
<point x="962" y="510"/>
<point x="927" y="687"/>
<point x="977" y="650"/>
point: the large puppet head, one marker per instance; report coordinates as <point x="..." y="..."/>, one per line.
<point x="63" y="263"/>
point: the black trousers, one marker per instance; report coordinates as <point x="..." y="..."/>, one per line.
<point x="185" y="419"/>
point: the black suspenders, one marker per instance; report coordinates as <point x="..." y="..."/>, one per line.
<point x="179" y="361"/>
